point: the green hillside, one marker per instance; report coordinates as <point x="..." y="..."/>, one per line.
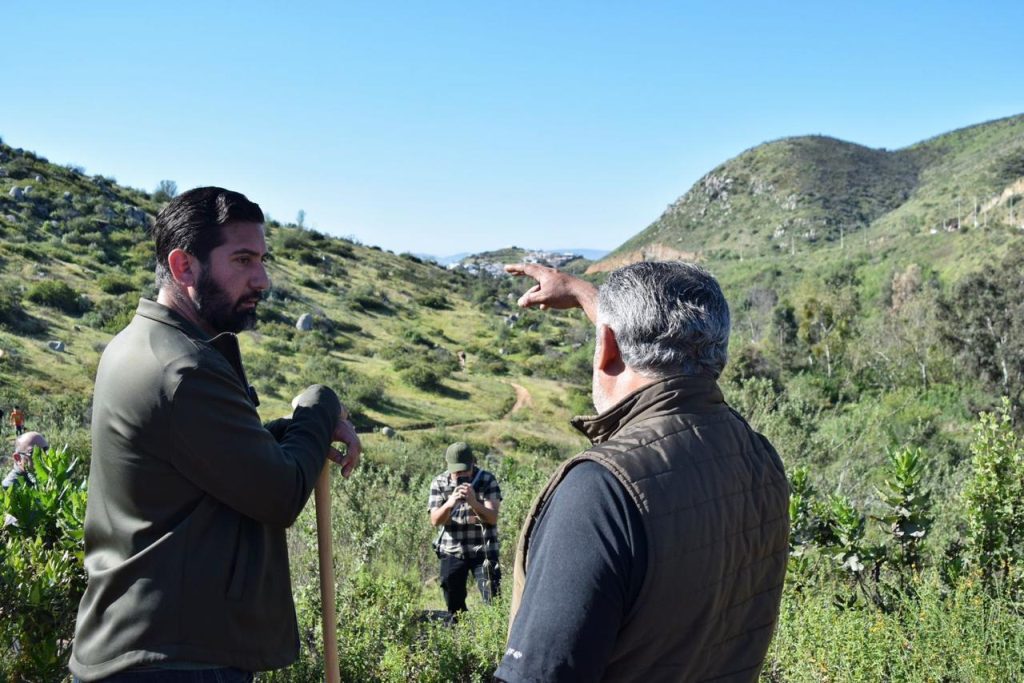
<point x="388" y="330"/>
<point x="807" y="193"/>
<point x="877" y="308"/>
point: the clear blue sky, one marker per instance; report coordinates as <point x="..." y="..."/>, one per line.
<point x="442" y="127"/>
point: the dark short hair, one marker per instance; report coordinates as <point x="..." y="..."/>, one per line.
<point x="193" y="220"/>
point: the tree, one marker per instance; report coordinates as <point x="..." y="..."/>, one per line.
<point x="906" y="346"/>
<point x="983" y="323"/>
<point x="827" y="322"/>
<point x="165" y="191"/>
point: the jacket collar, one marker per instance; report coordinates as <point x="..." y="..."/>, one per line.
<point x="226" y="342"/>
<point x="663" y="397"/>
<point x="162" y="314"/>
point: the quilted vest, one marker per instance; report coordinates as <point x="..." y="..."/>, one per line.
<point x="714" y="500"/>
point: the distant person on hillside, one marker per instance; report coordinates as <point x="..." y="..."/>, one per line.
<point x="24" y="447"/>
<point x="464" y="502"/>
<point x="18" y="420"/>
<point x="189" y="493"/>
<point x="659" y="553"/>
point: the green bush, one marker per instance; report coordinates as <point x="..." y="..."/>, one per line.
<point x="360" y="391"/>
<point x="264" y="371"/>
<point x="312" y="283"/>
<point x="422" y="376"/>
<point x="994" y="501"/>
<point x="320" y="368"/>
<point x="367" y="298"/>
<point x="468" y="652"/>
<point x="292" y="239"/>
<point x="41" y="574"/>
<point x="488" y="363"/>
<point x="435" y="301"/>
<point x="56" y="294"/>
<point x="308" y="257"/>
<point x="112" y="314"/>
<point x="963" y="634"/>
<point x="116" y="284"/>
<point x="11" y="310"/>
<point x="908" y="506"/>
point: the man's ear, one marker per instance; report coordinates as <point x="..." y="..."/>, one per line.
<point x="180" y="263"/>
<point x="607" y="352"/>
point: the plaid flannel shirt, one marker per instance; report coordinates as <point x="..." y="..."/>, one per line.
<point x="464" y="536"/>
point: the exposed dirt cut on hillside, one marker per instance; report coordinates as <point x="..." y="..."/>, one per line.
<point x="651" y="252"/>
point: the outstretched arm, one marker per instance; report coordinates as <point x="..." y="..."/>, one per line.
<point x="555" y="289"/>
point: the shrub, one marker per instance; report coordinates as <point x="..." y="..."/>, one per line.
<point x="361" y="391"/>
<point x="435" y="301"/>
<point x="488" y="362"/>
<point x="317" y="368"/>
<point x="11" y="311"/>
<point x="908" y="504"/>
<point x="421" y="376"/>
<point x="115" y="284"/>
<point x="41" y="574"/>
<point x="368" y="299"/>
<point x="111" y="314"/>
<point x="443" y="360"/>
<point x="308" y="257"/>
<point x="292" y="239"/>
<point x="943" y="635"/>
<point x="312" y="283"/>
<point x="264" y="371"/>
<point x="994" y="500"/>
<point x="56" y="294"/>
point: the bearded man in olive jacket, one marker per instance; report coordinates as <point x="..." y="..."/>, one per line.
<point x="189" y="493"/>
<point x="659" y="553"/>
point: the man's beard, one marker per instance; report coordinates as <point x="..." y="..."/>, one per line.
<point x="219" y="312"/>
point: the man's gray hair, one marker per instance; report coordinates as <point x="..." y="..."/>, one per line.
<point x="669" y="318"/>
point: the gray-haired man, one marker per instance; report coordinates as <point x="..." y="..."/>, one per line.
<point x="658" y="554"/>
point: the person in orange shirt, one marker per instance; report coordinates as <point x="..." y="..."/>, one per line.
<point x="18" y="420"/>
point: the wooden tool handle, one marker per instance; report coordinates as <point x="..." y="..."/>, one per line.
<point x="322" y="498"/>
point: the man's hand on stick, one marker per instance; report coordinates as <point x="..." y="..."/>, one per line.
<point x="345" y="432"/>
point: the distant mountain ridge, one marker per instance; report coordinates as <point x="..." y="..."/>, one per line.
<point x="816" y="189"/>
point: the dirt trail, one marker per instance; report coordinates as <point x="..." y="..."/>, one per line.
<point x="523" y="398"/>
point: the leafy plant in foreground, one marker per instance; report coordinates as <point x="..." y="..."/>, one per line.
<point x="41" y="574"/>
<point x="908" y="504"/>
<point x="994" y="501"/>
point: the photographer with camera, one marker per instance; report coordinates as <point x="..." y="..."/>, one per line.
<point x="464" y="502"/>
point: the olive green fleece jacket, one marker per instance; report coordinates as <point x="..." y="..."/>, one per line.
<point x="189" y="499"/>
